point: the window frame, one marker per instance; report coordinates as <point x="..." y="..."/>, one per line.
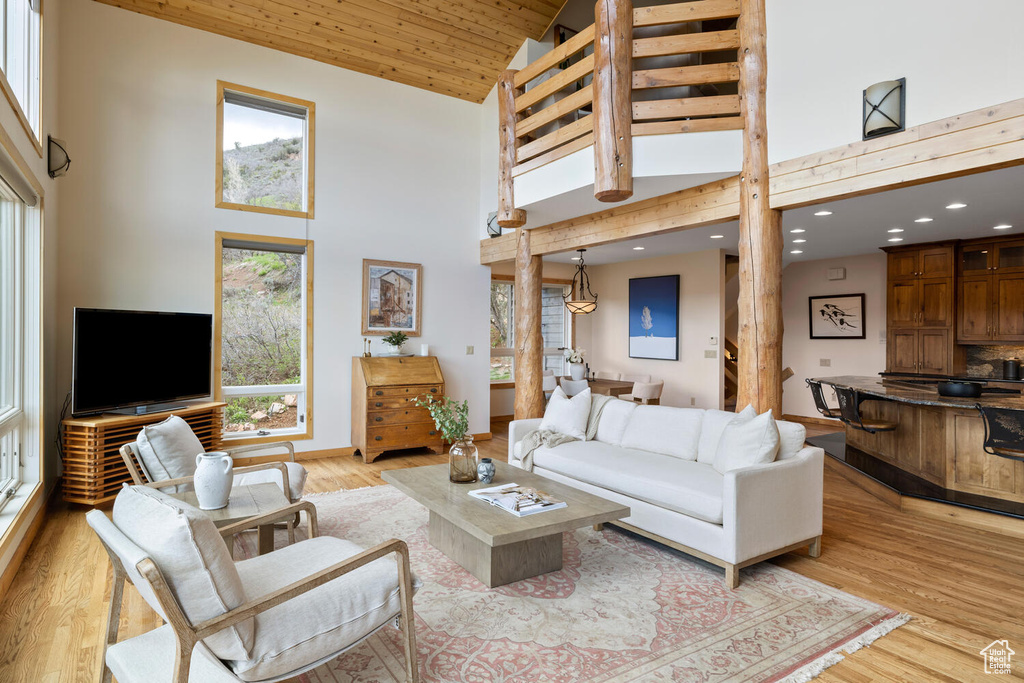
<point x="309" y="141"/>
<point x="510" y="351"/>
<point x="35" y="76"/>
<point x="219" y="393"/>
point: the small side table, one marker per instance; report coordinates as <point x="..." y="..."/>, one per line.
<point x="244" y="502"/>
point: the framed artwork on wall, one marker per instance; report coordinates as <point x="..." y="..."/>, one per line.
<point x="840" y="316"/>
<point x="391" y="297"/>
<point x="654" y="317"/>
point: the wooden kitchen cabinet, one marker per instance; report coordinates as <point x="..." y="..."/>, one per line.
<point x="920" y="306"/>
<point x="923" y="351"/>
<point x="990" y="297"/>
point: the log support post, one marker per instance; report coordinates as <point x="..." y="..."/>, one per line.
<point x="529" y="361"/>
<point x="613" y="100"/>
<point x="508" y="215"/>
<point x="760" y="247"/>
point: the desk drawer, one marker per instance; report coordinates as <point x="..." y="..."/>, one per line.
<point x="406" y="391"/>
<point x="412" y="415"/>
<point x="401" y="436"/>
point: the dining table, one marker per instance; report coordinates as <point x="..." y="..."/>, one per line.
<point x="608" y="387"/>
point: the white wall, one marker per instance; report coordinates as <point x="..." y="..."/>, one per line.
<point x="864" y="274"/>
<point x="956" y="57"/>
<point x="701" y="315"/>
<point x="396" y="176"/>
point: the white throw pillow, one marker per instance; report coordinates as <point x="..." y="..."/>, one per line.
<point x="612" y="424"/>
<point x="747" y="442"/>
<point x="566" y="415"/>
<point x="168" y="449"/>
<point x="711" y="431"/>
<point x="665" y="430"/>
<point x="791" y="438"/>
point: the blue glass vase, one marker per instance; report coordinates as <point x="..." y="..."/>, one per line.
<point x="485" y="471"/>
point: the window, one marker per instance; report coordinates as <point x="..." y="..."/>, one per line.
<point x="20" y="58"/>
<point x="263" y="344"/>
<point x="264" y="152"/>
<point x="556" y="328"/>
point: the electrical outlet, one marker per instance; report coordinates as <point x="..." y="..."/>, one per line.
<point x="469" y="350"/>
<point x="825" y="362"/>
<point x="693" y="401"/>
<point x="710" y="353"/>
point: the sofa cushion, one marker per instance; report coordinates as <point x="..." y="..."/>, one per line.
<point x="683" y="486"/>
<point x="168" y="450"/>
<point x="296" y="479"/>
<point x="711" y="431"/>
<point x="747" y="442"/>
<point x="566" y="415"/>
<point x="193" y="558"/>
<point x="614" y="419"/>
<point x="791" y="438"/>
<point x="665" y="430"/>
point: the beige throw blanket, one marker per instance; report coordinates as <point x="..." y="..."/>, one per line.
<point x="550" y="439"/>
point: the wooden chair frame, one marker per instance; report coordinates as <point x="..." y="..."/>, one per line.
<point x="188" y="635"/>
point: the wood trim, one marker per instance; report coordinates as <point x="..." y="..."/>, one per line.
<point x="580" y="98"/>
<point x="547" y="281"/>
<point x="503" y="385"/>
<point x="701" y="74"/>
<point x="824" y="421"/>
<point x="502" y="418"/>
<point x="218" y="296"/>
<point x="686" y="43"/>
<point x="685" y="12"/>
<point x="36" y="140"/>
<point x="685" y="107"/>
<point x="564" y="134"/>
<point x="483" y="436"/>
<point x="554" y="155"/>
<point x="559" y="54"/>
<point x="310" y="151"/>
<point x="690" y="126"/>
<point x="418" y="267"/>
<point x="549" y="87"/>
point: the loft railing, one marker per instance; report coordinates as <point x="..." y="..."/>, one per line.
<point x="646" y="71"/>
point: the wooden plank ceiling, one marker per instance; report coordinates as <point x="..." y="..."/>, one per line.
<point x="454" y="47"/>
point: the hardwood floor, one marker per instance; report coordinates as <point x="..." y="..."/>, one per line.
<point x="964" y="588"/>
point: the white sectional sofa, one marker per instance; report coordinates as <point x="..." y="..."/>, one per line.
<point x="659" y="461"/>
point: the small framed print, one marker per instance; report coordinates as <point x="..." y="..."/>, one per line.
<point x="837" y="317"/>
<point x="391" y="297"/>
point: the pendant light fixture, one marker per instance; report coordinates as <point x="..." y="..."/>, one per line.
<point x="580" y="300"/>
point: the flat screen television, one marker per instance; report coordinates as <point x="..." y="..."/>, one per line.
<point x="139" y="358"/>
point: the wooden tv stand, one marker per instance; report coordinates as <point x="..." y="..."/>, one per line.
<point x="93" y="468"/>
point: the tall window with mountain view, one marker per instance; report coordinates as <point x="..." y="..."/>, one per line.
<point x="262" y="332"/>
<point x="265" y="152"/>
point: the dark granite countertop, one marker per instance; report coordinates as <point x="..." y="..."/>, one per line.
<point x="894" y="390"/>
<point x="942" y="378"/>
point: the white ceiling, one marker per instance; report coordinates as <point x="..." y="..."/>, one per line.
<point x="860" y="225"/>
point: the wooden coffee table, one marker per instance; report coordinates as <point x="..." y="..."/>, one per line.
<point x="493" y="545"/>
<point x="245" y="502"/>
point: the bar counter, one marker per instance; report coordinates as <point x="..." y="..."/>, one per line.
<point x="936" y="450"/>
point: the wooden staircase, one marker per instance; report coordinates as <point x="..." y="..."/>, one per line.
<point x="730" y="374"/>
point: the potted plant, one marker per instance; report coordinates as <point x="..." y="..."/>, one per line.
<point x="395" y="340"/>
<point x="575" y="358"/>
<point x="452" y="419"/>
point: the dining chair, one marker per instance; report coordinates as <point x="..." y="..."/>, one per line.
<point x="573" y="387"/>
<point x="648" y="393"/>
<point x="608" y="375"/>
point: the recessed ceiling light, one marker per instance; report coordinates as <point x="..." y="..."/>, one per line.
<point x="956" y="205"/>
<point x="923" y="220"/>
<point x="895" y="239"/>
<point x="638" y="248"/>
<point x="799" y="241"/>
<point x="822" y="213"/>
<point x="717" y="237"/>
<point x="1004" y="226"/>
<point x="797" y="231"/>
<point x="796" y="251"/>
<point x="895" y="229"/>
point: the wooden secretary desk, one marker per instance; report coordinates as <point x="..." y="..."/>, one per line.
<point x="384" y="418"/>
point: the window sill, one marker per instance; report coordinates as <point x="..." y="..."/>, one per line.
<point x="265" y="209"/>
<point x="233" y="439"/>
<point x="503" y="385"/>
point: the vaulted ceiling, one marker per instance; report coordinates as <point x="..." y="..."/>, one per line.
<point x="454" y="47"/>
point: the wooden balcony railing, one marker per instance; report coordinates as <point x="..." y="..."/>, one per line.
<point x="680" y="75"/>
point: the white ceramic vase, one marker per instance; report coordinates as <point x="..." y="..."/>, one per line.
<point x="576" y="371"/>
<point x="214" y="474"/>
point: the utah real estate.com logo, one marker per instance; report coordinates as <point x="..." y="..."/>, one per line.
<point x="997" y="657"/>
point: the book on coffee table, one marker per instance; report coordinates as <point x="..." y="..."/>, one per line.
<point x="518" y="500"/>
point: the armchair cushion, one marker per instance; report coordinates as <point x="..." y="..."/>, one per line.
<point x="321" y="622"/>
<point x="193" y="559"/>
<point x="168" y="449"/>
<point x="296" y="479"/>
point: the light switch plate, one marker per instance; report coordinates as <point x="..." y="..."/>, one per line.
<point x="710" y="353"/>
<point x="469" y="350"/>
<point x="825" y="362"/>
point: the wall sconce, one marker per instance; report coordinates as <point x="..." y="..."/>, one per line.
<point x="493" y="228"/>
<point x="58" y="162"/>
<point x="885" y="106"/>
<point x="577" y="300"/>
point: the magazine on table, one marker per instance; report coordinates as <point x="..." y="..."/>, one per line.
<point x="518" y="500"/>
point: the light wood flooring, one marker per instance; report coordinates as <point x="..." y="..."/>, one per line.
<point x="964" y="588"/>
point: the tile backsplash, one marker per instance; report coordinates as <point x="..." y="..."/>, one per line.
<point x="987" y="361"/>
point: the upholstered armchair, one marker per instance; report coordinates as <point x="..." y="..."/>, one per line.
<point x="267" y="618"/>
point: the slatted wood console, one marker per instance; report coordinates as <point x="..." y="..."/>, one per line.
<point x="93" y="468"/>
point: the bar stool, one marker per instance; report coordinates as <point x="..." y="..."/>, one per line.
<point x="849" y="407"/>
<point x="1004" y="432"/>
<point x="819" y="400"/>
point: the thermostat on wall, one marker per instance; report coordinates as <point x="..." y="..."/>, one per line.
<point x="837" y="273"/>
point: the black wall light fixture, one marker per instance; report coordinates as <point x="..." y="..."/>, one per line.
<point x="58" y="162"/>
<point x="885" y="107"/>
<point x="493" y="229"/>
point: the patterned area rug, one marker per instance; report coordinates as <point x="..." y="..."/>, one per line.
<point x="622" y="609"/>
